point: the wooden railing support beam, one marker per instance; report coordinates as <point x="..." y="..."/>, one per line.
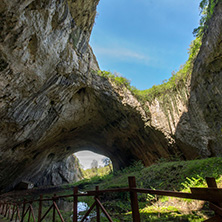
<point x="134" y="200"/>
<point x="75" y="205"/>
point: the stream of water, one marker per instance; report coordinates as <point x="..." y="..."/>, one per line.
<point x="67" y="206"/>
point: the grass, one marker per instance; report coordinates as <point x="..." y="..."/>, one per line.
<point x="94" y="172"/>
<point x="175" y="175"/>
<point x="165" y="175"/>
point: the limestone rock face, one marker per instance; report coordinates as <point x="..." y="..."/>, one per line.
<point x="65" y="171"/>
<point x="52" y="104"/>
<point x="192" y="116"/>
<point x="45" y="59"/>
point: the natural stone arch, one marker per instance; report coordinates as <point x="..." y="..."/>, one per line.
<point x="94" y="114"/>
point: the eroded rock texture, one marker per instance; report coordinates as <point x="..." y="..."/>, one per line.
<point x="52" y="105"/>
<point x="192" y="116"/>
<point x="65" y="171"/>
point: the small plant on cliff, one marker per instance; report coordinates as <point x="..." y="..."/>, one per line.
<point x="207" y="9"/>
<point x="177" y="80"/>
<point x="117" y="78"/>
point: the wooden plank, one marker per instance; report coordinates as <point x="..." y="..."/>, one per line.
<point x="41" y="219"/>
<point x="75" y="205"/>
<point x="134" y="199"/>
<point x="40" y="208"/>
<point x="53" y="209"/>
<point x="104" y="210"/>
<point x="33" y="215"/>
<point x="13" y="212"/>
<point x="169" y="193"/>
<point x="216" y="209"/>
<point x="211" y="182"/>
<point x="209" y="194"/>
<point x="58" y="211"/>
<point x="23" y="211"/>
<point x="88" y="212"/>
<point x="99" y="192"/>
<point x="97" y="206"/>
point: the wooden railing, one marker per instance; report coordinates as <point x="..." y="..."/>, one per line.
<point x="24" y="212"/>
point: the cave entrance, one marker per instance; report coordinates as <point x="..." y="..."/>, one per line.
<point x="93" y="164"/>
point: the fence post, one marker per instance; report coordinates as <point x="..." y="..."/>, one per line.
<point x="40" y="208"/>
<point x="75" y="204"/>
<point x="3" y="207"/>
<point x="13" y="212"/>
<point x="54" y="199"/>
<point x="29" y="215"/>
<point x="97" y="206"/>
<point x="211" y="182"/>
<point x="23" y="210"/>
<point x="134" y="200"/>
<point x="17" y="212"/>
<point x="9" y="211"/>
<point x="6" y="209"/>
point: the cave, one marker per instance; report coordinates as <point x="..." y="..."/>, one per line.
<point x="89" y="159"/>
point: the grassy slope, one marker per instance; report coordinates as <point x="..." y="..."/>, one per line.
<point x="179" y="175"/>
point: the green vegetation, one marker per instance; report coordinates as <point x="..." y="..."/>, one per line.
<point x="177" y="80"/>
<point x="180" y="78"/>
<point x="116" y="78"/>
<point x="98" y="171"/>
<point x="207" y="9"/>
<point x="176" y="175"/>
<point x="164" y="175"/>
<point x="93" y="172"/>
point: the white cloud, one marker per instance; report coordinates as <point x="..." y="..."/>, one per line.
<point x="86" y="157"/>
<point x="122" y="54"/>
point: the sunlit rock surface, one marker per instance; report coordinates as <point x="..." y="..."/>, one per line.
<point x="192" y="116"/>
<point x="52" y="105"/>
<point x="64" y="171"/>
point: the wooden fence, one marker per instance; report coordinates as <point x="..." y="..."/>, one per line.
<point x="24" y="212"/>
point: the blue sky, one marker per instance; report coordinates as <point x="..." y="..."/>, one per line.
<point x="144" y="40"/>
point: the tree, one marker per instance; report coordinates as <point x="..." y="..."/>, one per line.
<point x="94" y="165"/>
<point x="107" y="162"/>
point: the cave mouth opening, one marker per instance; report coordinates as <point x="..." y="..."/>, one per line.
<point x="93" y="163"/>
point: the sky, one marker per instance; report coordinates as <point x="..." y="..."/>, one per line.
<point x="86" y="157"/>
<point x="143" y="40"/>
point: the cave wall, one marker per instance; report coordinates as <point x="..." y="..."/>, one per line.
<point x="52" y="104"/>
<point x="205" y="101"/>
<point x="45" y="59"/>
<point x="66" y="171"/>
<point x="191" y="116"/>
